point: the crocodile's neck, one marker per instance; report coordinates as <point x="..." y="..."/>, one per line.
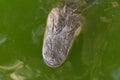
<point x="80" y="5"/>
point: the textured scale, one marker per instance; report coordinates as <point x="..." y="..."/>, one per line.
<point x="62" y="26"/>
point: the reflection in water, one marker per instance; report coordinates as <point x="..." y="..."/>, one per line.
<point x="18" y="71"/>
<point x="16" y="66"/>
<point x="115" y="4"/>
<point x="105" y="19"/>
<point x="64" y="72"/>
<point x="2" y="39"/>
<point x="37" y="33"/>
<point x="116" y="74"/>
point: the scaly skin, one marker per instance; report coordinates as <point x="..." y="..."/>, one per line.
<point x="62" y="25"/>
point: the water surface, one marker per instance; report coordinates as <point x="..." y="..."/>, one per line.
<point x="94" y="55"/>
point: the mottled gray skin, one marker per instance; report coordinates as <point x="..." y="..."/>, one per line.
<point x="62" y="25"/>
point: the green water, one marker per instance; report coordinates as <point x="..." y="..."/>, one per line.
<point x="95" y="54"/>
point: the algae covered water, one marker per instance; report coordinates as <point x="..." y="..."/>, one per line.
<point x="93" y="56"/>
